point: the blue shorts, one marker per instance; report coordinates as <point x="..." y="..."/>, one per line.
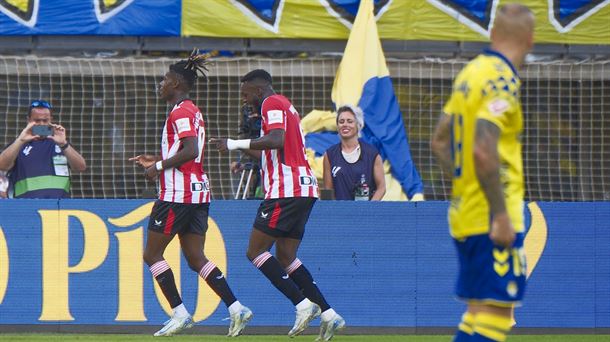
<point x="490" y="274"/>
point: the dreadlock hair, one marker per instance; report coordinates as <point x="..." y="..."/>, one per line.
<point x="193" y="67"/>
<point x="257" y="75"/>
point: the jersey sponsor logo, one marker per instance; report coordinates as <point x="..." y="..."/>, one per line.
<point x="24" y="12"/>
<point x="27" y="150"/>
<point x="498" y="107"/>
<point x="345" y="11"/>
<point x="199" y="186"/>
<point x="307" y="180"/>
<point x="275" y="116"/>
<point x="564" y="15"/>
<point x="478" y="15"/>
<point x="335" y="170"/>
<point x="183" y="125"/>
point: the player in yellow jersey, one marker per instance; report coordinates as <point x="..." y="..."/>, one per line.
<point x="477" y="143"/>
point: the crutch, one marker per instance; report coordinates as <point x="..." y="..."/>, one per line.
<point x="247" y="167"/>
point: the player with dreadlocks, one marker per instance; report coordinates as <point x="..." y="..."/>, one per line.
<point x="184" y="199"/>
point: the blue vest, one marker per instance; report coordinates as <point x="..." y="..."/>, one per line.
<point x="40" y="171"/>
<point x="346" y="177"/>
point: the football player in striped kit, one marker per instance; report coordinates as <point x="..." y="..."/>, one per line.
<point x="184" y="199"/>
<point x="291" y="190"/>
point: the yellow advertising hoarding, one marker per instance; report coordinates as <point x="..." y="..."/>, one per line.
<point x="563" y="22"/>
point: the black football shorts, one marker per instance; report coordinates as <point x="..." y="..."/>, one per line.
<point x="284" y="217"/>
<point x="172" y="218"/>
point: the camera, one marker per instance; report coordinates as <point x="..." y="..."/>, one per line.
<point x="42" y="130"/>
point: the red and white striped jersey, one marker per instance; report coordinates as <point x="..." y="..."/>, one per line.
<point x="187" y="183"/>
<point x="286" y="172"/>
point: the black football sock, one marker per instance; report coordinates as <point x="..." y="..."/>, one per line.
<point x="217" y="282"/>
<point x="272" y="269"/>
<point x="301" y="276"/>
<point x="165" y="278"/>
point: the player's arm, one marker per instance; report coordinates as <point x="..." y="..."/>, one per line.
<point x="441" y="144"/>
<point x="187" y="152"/>
<point x="487" y="166"/>
<point x="379" y="177"/>
<point x="274" y="140"/>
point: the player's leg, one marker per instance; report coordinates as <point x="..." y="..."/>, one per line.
<point x="161" y="230"/>
<point x="493" y="274"/>
<point x="286" y="250"/>
<point x="465" y="328"/>
<point x="268" y="226"/>
<point x="192" y="246"/>
<point x="258" y="254"/>
<point x="491" y="323"/>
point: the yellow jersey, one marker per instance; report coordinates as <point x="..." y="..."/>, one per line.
<point x="487" y="89"/>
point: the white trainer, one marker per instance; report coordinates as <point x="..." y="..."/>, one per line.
<point x="239" y="321"/>
<point x="329" y="328"/>
<point x="175" y="325"/>
<point x="303" y="318"/>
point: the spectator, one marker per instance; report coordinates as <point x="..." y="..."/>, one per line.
<point x="40" y="159"/>
<point x="352" y="168"/>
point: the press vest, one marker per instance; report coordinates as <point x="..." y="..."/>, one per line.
<point x="346" y="177"/>
<point x="40" y="171"/>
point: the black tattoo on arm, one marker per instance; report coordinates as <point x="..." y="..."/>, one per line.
<point x="487" y="164"/>
<point x="441" y="144"/>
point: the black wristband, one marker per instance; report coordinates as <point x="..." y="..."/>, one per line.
<point x="66" y="145"/>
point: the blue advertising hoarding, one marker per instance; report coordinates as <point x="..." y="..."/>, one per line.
<point x="379" y="264"/>
<point x="91" y="17"/>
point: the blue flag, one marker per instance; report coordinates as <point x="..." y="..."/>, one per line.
<point x="363" y="79"/>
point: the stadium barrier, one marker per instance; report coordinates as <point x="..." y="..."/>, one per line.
<point x="78" y="262"/>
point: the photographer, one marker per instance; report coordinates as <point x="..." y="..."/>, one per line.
<point x="40" y="159"/>
<point x="249" y="128"/>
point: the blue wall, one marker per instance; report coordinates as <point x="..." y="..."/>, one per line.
<point x="379" y="264"/>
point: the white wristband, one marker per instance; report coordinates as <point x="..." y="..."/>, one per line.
<point x="242" y="144"/>
<point x="159" y="165"/>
